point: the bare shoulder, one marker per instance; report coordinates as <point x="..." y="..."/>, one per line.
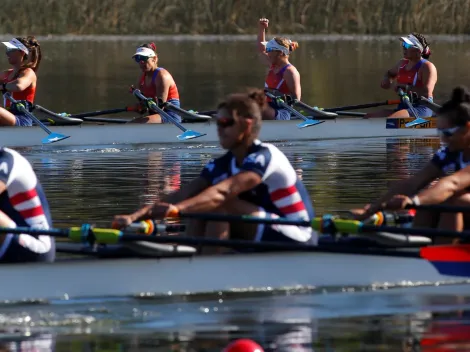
<point x="429" y="65"/>
<point x="164" y="75"/>
<point x="292" y="70"/>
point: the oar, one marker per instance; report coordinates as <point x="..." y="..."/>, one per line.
<point x="87" y="234"/>
<point x="73" y="119"/>
<point x="307" y="121"/>
<point x="100" y="112"/>
<point x="187" y="134"/>
<point x="190" y="115"/>
<point x="329" y="225"/>
<point x="363" y="106"/>
<point x="406" y="100"/>
<point x="53" y="137"/>
<point x="315" y="111"/>
<point x="430" y="104"/>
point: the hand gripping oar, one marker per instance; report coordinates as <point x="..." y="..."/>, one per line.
<point x="406" y="100"/>
<point x="430" y="104"/>
<point x="307" y="121"/>
<point x="187" y="134"/>
<point x="53" y="137"/>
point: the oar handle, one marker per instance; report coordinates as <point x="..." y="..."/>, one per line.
<point x="25" y="111"/>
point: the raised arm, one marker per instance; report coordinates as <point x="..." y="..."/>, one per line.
<point x="262" y="26"/>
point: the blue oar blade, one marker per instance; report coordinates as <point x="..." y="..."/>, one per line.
<point x="452" y="260"/>
<point x="308" y="123"/>
<point x="54" y="137"/>
<point x="416" y="122"/>
<point x="190" y="135"/>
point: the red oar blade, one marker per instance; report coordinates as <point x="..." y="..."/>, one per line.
<point x="452" y="260"/>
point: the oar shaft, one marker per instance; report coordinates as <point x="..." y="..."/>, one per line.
<point x="153" y="106"/>
<point x="363" y="106"/>
<point x="101" y="112"/>
<point x="245" y="219"/>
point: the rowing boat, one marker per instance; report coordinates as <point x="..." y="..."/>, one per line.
<point x="189" y="273"/>
<point x="271" y="131"/>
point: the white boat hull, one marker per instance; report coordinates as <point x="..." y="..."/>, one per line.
<point x="202" y="274"/>
<point x="108" y="134"/>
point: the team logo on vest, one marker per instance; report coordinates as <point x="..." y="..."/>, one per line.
<point x="256" y="159"/>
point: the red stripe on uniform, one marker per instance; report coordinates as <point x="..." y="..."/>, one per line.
<point x="293" y="208"/>
<point x="29" y="213"/>
<point x="283" y="192"/>
<point x="23" y="196"/>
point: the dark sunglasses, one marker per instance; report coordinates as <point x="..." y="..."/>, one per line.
<point x="224" y="122"/>
<point x="448" y="132"/>
<point x="408" y="46"/>
<point x="140" y="58"/>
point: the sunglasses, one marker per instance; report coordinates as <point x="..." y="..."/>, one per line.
<point x="224" y="122"/>
<point x="408" y="46"/>
<point x="448" y="132"/>
<point x="140" y="58"/>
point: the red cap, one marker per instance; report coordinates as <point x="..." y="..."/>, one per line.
<point x="243" y="345"/>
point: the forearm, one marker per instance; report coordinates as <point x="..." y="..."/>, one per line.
<point x="440" y="192"/>
<point x="261" y="38"/>
<point x="16" y="86"/>
<point x="399" y="187"/>
<point x="210" y="199"/>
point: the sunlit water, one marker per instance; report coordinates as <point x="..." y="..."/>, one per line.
<point x="94" y="184"/>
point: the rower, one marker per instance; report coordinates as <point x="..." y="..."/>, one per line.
<point x="156" y="83"/>
<point x="282" y="77"/>
<point x="252" y="178"/>
<point x="24" y="55"/>
<point x="414" y="74"/>
<point x="23" y="203"/>
<point x="453" y="125"/>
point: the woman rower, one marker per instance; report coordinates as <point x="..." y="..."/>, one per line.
<point x="24" y="55"/>
<point x="453" y="125"/>
<point x="414" y="74"/>
<point x="282" y="77"/>
<point x="156" y="83"/>
<point x="252" y="178"/>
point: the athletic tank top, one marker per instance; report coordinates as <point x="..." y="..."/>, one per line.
<point x="410" y="77"/>
<point x="275" y="80"/>
<point x="28" y="94"/>
<point x="150" y="91"/>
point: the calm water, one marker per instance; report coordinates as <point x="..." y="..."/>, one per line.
<point x="97" y="183"/>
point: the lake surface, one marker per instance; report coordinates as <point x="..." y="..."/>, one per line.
<point x="94" y="184"/>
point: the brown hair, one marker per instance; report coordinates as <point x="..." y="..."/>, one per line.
<point x="247" y="105"/>
<point x="33" y="59"/>
<point x="149" y="46"/>
<point x="457" y="109"/>
<point x="426" y="50"/>
<point x="287" y="43"/>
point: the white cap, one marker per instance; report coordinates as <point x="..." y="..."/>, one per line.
<point x="412" y="40"/>
<point x="144" y="52"/>
<point x="272" y="44"/>
<point x="16" y="44"/>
